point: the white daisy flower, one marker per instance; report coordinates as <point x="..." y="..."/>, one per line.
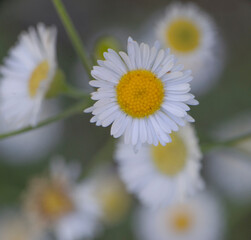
<point x="191" y="34"/>
<point x="229" y="168"/>
<point x="198" y="218"/>
<point x="33" y="145"/>
<point x="26" y="76"/>
<point x="144" y="94"/>
<point x="107" y="194"/>
<point x="160" y="175"/>
<point x="53" y="203"/>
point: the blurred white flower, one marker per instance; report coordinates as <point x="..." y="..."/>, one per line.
<point x="26" y="76"/>
<point x="229" y="170"/>
<point x="236" y="127"/>
<point x="161" y="175"/>
<point x="191" y="35"/>
<point x="144" y="95"/>
<point x="15" y="226"/>
<point x="53" y="203"/>
<point x="199" y="218"/>
<point x="106" y="193"/>
<point x="36" y="144"/>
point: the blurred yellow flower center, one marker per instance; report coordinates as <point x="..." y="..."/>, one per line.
<point x="182" y="35"/>
<point x="140" y="93"/>
<point x="182" y="221"/>
<point x="171" y="158"/>
<point x="55" y="202"/>
<point x="115" y="203"/>
<point x="39" y="74"/>
<point x="103" y="44"/>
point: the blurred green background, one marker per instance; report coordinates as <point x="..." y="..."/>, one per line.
<point x="230" y="97"/>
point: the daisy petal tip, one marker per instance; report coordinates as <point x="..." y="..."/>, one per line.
<point x="157" y="44"/>
<point x="105" y="55"/>
<point x="130" y="39"/>
<point x="196" y="102"/>
<point x="100" y="62"/>
<point x="88" y="110"/>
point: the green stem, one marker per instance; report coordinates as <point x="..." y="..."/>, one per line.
<point x="77" y="108"/>
<point x="229" y="143"/>
<point x="73" y="35"/>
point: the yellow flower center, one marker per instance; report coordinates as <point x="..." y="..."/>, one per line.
<point x="140" y="93"/>
<point x="171" y="158"/>
<point x="182" y="221"/>
<point x="115" y="203"/>
<point x="183" y="35"/>
<point x="39" y="74"/>
<point x="55" y="202"/>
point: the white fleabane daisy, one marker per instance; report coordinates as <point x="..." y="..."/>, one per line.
<point x="144" y="94"/>
<point x="191" y="35"/>
<point x="229" y="168"/>
<point x="26" y="76"/>
<point x="53" y="203"/>
<point x="33" y="145"/>
<point x="107" y="194"/>
<point x="160" y="175"/>
<point x="198" y="218"/>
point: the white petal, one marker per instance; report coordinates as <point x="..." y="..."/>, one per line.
<point x="131" y="52"/>
<point x="142" y="130"/>
<point x="171" y="76"/>
<point x="126" y="60"/>
<point x="179" y="112"/>
<point x="145" y="53"/>
<point x="192" y="102"/>
<point x="135" y="131"/>
<point x="158" y="59"/>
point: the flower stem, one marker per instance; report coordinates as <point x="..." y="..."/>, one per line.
<point x="206" y="147"/>
<point x="75" y="109"/>
<point x="73" y="35"/>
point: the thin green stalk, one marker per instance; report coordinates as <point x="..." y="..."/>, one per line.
<point x="73" y="35"/>
<point x="76" y="108"/>
<point x="229" y="143"/>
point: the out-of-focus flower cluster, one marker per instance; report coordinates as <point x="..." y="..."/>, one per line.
<point x="161" y="182"/>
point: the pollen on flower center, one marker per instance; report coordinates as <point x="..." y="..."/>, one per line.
<point x="182" y="221"/>
<point x="39" y="74"/>
<point x="171" y="158"/>
<point x="54" y="202"/>
<point x="140" y="93"/>
<point x="182" y="35"/>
